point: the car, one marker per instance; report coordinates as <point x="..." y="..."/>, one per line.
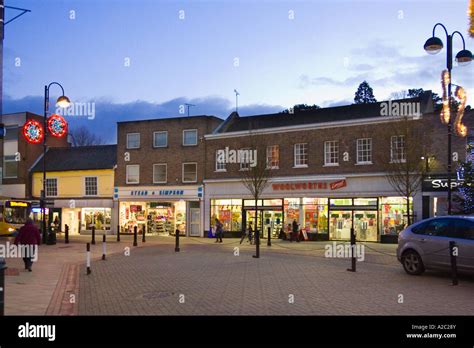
<point x="7" y="229"/>
<point x="425" y="244"/>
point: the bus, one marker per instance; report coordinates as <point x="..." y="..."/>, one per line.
<point x="13" y="215"/>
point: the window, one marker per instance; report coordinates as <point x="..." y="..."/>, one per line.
<point x="189" y="172"/>
<point x="190" y="137"/>
<point x="160" y="173"/>
<point x="220" y="163"/>
<point x="301" y="155"/>
<point x="364" y="151"/>
<point x="273" y="157"/>
<point x="91" y="185"/>
<point x="245" y="159"/>
<point x="133" y="140"/>
<point x="10" y="166"/>
<point x="437" y="227"/>
<point x="397" y="148"/>
<point x="331" y="153"/>
<point x="133" y="174"/>
<point x="51" y="187"/>
<point x="160" y="139"/>
<point x="10" y="152"/>
<point x="464" y="229"/>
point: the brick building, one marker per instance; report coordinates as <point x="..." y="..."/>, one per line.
<point x="159" y="175"/>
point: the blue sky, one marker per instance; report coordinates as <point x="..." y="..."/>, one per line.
<point x="276" y="53"/>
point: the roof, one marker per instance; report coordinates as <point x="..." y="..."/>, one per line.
<point x="173" y="118"/>
<point x="236" y="123"/>
<point x="78" y="158"/>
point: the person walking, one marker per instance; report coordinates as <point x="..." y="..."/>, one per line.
<point x="219" y="231"/>
<point x="248" y="233"/>
<point x="29" y="237"/>
<point x="295" y="234"/>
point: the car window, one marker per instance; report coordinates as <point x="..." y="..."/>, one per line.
<point x="438" y="227"/>
<point x="464" y="229"/>
<point x="420" y="228"/>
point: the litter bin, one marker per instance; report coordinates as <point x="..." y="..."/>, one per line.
<point x="51" y="237"/>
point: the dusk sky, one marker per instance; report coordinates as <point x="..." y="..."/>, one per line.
<point x="275" y="53"/>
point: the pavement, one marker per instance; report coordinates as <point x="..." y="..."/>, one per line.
<point x="207" y="278"/>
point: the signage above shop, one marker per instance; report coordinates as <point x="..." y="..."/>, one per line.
<point x="311" y="185"/>
<point x="147" y="192"/>
<point x="439" y="184"/>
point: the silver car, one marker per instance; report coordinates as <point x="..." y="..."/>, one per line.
<point x="425" y="244"/>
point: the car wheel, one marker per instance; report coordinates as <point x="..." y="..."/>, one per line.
<point x="412" y="263"/>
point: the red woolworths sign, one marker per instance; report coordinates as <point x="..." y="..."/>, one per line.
<point x="309" y="186"/>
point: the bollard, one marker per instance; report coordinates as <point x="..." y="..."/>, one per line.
<point x="353" y="256"/>
<point x="118" y="233"/>
<point x="66" y="234"/>
<point x="454" y="267"/>
<point x="269" y="241"/>
<point x="93" y="235"/>
<point x="104" y="247"/>
<point x="88" y="258"/>
<point x="176" y="247"/>
<point x="143" y="235"/>
<point x="3" y="267"/>
<point x="257" y="244"/>
<point x="135" y="235"/>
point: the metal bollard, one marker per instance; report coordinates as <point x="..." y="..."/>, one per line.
<point x="176" y="247"/>
<point x="88" y="258"/>
<point x="3" y="267"/>
<point x="66" y="234"/>
<point x="143" y="235"/>
<point x="118" y="233"/>
<point x="135" y="235"/>
<point x="93" y="235"/>
<point x="257" y="244"/>
<point x="104" y="247"/>
<point x="269" y="242"/>
<point x="453" y="252"/>
<point x="353" y="247"/>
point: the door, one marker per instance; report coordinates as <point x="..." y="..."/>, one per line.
<point x="195" y="222"/>
<point x="340" y="224"/>
<point x="250" y="219"/>
<point x="365" y="225"/>
<point x="432" y="239"/>
<point x="464" y="239"/>
<point x="272" y="221"/>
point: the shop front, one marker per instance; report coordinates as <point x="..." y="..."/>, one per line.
<point x="160" y="210"/>
<point x="435" y="194"/>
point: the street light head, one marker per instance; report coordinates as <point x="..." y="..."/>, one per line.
<point x="464" y="57"/>
<point x="433" y="45"/>
<point x="63" y="102"/>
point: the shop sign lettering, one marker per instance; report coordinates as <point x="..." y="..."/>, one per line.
<point x="160" y="193"/>
<point x="309" y="186"/>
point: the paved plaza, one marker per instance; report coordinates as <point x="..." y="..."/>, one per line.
<point x="206" y="278"/>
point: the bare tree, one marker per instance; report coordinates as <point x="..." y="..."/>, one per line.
<point x="402" y="157"/>
<point x="82" y="136"/>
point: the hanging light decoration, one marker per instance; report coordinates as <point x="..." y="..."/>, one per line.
<point x="459" y="127"/>
<point x="445" y="114"/>
<point x="470" y="13"/>
<point x="33" y="132"/>
<point x="57" y="126"/>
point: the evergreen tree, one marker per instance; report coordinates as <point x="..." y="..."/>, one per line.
<point x="466" y="188"/>
<point x="364" y="94"/>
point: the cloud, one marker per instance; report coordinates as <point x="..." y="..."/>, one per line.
<point x="107" y="112"/>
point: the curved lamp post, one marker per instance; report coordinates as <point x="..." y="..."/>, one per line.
<point x="62" y="102"/>
<point x="433" y="46"/>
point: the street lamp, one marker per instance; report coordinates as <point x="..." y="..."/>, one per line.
<point x="62" y="102"/>
<point x="432" y="46"/>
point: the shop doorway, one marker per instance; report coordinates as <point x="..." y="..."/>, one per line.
<point x="195" y="222"/>
<point x="268" y="221"/>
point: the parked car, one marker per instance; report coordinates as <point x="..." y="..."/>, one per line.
<point x="425" y="244"/>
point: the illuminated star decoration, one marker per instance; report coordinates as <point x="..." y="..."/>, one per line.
<point x="33" y="132"/>
<point x="57" y="126"/>
<point x="445" y="114"/>
<point x="459" y="127"/>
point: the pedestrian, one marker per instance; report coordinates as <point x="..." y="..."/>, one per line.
<point x="29" y="237"/>
<point x="247" y="233"/>
<point x="250" y="234"/>
<point x="219" y="231"/>
<point x="295" y="233"/>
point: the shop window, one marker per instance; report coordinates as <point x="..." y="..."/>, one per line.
<point x="364" y="151"/>
<point x="133" y="140"/>
<point x="394" y="214"/>
<point x="397" y="148"/>
<point x="100" y="218"/>
<point x="229" y="212"/>
<point x="160" y="173"/>
<point x="189" y="172"/>
<point x="133" y="174"/>
<point x="160" y="139"/>
<point x="340" y="201"/>
<point x="301" y="155"/>
<point x="90" y="186"/>
<point x="365" y="201"/>
<point x="190" y="137"/>
<point x="51" y="187"/>
<point x="331" y="153"/>
<point x="273" y="157"/>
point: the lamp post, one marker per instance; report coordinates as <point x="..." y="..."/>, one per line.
<point x="432" y="46"/>
<point x="62" y="102"/>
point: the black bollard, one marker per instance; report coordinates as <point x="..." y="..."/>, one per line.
<point x="257" y="244"/>
<point x="118" y="233"/>
<point x="176" y="247"/>
<point x="66" y="234"/>
<point x="104" y="247"/>
<point x="3" y="267"/>
<point x="135" y="235"/>
<point x="93" y="235"/>
<point x="454" y="267"/>
<point x="88" y="258"/>
<point x="143" y="235"/>
<point x="353" y="256"/>
<point x="269" y="241"/>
